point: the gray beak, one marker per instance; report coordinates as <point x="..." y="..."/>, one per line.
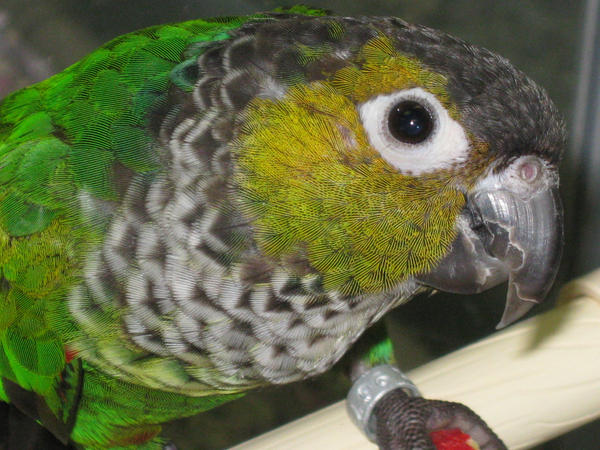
<point x="506" y="232"/>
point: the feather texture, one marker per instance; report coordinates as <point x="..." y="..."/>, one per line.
<point x="195" y="209"/>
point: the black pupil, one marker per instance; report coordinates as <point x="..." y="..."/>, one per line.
<point x="410" y="122"/>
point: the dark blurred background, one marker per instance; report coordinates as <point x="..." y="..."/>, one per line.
<point x="554" y="41"/>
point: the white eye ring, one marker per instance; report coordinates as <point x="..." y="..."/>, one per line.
<point x="446" y="145"/>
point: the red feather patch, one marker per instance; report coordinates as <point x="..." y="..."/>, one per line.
<point x="453" y="439"/>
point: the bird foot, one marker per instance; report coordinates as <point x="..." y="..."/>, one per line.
<point x="389" y="409"/>
<point x="404" y="422"/>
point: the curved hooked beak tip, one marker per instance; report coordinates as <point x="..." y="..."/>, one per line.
<point x="504" y="236"/>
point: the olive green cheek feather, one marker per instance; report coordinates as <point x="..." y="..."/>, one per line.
<point x="313" y="185"/>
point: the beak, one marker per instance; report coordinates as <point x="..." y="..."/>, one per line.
<point x="505" y="232"/>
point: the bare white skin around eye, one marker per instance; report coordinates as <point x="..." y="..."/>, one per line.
<point x="446" y="145"/>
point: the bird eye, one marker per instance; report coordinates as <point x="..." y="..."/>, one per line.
<point x="413" y="131"/>
<point x="410" y="122"/>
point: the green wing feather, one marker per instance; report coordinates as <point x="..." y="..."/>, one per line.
<point x="83" y="131"/>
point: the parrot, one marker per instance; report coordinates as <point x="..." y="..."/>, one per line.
<point x="199" y="209"/>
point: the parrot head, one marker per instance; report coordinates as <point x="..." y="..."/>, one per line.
<point x="402" y="155"/>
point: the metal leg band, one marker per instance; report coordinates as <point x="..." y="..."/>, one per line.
<point x="369" y="389"/>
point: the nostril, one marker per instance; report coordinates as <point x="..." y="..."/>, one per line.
<point x="529" y="171"/>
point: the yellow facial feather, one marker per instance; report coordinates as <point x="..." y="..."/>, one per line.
<point x="313" y="185"/>
<point x="383" y="70"/>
